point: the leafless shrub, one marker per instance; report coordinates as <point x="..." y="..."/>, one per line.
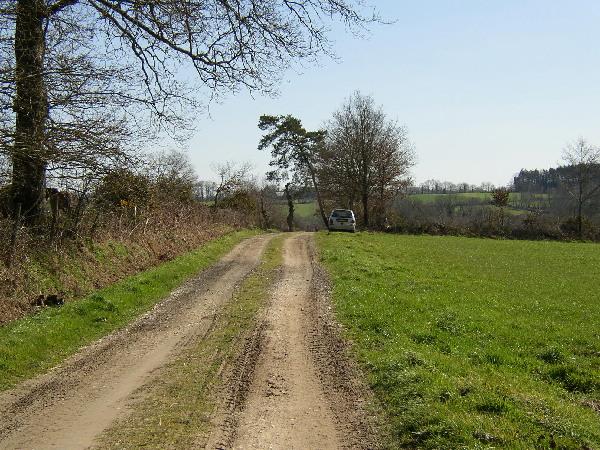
<point x="232" y="177"/>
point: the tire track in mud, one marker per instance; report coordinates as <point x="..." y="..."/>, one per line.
<point x="294" y="386"/>
<point x="72" y="404"/>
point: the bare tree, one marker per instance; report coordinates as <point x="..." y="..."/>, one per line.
<point x="232" y="176"/>
<point x="173" y="177"/>
<point x="200" y="190"/>
<point x="371" y="153"/>
<point x="337" y="175"/>
<point x="77" y="76"/>
<point x="487" y="186"/>
<point x="210" y="188"/>
<point x="430" y="186"/>
<point x="391" y="163"/>
<point x="582" y="181"/>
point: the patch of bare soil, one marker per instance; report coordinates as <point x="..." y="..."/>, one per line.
<point x="295" y="386"/>
<point x="71" y="405"/>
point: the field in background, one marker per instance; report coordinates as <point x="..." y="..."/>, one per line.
<point x="518" y="203"/>
<point x="306" y="216"/>
<point x="473" y="342"/>
<point x="305" y="210"/>
<point x="428" y="198"/>
<point x="513" y="196"/>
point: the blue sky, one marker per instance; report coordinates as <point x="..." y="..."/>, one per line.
<point x="485" y="88"/>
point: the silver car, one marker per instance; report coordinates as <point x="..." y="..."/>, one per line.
<point x="343" y="220"/>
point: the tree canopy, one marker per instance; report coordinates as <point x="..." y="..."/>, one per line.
<point x="295" y="153"/>
<point x="82" y="80"/>
<point x="367" y="157"/>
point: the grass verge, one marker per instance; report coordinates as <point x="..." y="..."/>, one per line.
<point x="474" y="343"/>
<point x="177" y="407"/>
<point x="33" y="344"/>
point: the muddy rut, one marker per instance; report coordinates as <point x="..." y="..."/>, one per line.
<point x="303" y="391"/>
<point x="71" y="405"/>
<point x="286" y="406"/>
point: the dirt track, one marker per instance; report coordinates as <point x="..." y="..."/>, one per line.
<point x="303" y="392"/>
<point x="286" y="405"/>
<point x="292" y="385"/>
<point x="68" y="407"/>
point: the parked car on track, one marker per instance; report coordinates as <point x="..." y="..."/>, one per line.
<point x="343" y="220"/>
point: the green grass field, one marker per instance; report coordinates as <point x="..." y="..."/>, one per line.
<point x="302" y="210"/>
<point x="305" y="210"/>
<point x="473" y="343"/>
<point x="515" y="198"/>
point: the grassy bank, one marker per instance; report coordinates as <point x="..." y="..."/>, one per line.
<point x="73" y="267"/>
<point x="182" y="402"/>
<point x="33" y="344"/>
<point x="471" y="343"/>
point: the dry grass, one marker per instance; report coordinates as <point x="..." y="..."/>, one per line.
<point x="101" y="253"/>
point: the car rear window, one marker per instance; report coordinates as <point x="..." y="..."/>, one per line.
<point x="343" y="213"/>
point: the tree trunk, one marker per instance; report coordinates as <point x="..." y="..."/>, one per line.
<point x="365" y="205"/>
<point x="290" y="201"/>
<point x="263" y="212"/>
<point x="580" y="209"/>
<point x="318" y="194"/>
<point x="365" y="185"/>
<point x="380" y="205"/>
<point x="31" y="108"/>
<point x="580" y="219"/>
<point x="216" y="199"/>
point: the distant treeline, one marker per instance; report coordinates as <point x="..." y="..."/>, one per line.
<point x="549" y="180"/>
<point x="434" y="186"/>
<point x="556" y="203"/>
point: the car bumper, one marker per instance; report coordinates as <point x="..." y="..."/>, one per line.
<point x="342" y="226"/>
